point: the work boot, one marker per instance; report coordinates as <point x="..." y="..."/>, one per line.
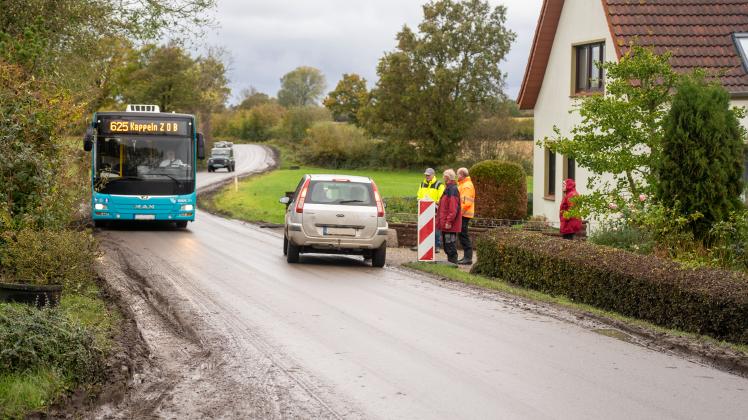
<point x="467" y="259"/>
<point x="452" y="259"/>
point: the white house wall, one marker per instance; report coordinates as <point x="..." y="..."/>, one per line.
<point x="581" y="22"/>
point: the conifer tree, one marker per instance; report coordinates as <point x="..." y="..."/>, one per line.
<point x="702" y="154"/>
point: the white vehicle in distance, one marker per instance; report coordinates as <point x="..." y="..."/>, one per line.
<point x="223" y="143"/>
<point x="335" y="214"/>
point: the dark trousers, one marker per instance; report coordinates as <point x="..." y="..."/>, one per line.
<point x="449" y="239"/>
<point x="464" y="236"/>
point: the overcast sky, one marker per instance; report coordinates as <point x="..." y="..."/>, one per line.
<point x="267" y="38"/>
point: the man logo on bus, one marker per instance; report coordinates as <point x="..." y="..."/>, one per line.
<point x="145" y="197"/>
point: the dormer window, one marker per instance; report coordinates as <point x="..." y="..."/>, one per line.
<point x="589" y="73"/>
<point x="741" y="43"/>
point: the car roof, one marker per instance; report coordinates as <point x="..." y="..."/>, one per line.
<point x="332" y="177"/>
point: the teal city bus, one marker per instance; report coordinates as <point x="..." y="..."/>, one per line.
<point x="143" y="165"/>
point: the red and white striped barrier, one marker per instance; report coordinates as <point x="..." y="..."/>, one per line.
<point x="426" y="229"/>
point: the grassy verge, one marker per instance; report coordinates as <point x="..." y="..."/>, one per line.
<point x="21" y="393"/>
<point x="501" y="286"/>
<point x="35" y="387"/>
<point x="257" y="198"/>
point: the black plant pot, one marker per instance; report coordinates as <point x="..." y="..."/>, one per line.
<point x="31" y="294"/>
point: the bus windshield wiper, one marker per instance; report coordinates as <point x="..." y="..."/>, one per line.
<point x="178" y="183"/>
<point x="168" y="176"/>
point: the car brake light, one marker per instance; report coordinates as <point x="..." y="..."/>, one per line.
<point x="378" y="199"/>
<point x="341" y="180"/>
<point x="302" y="196"/>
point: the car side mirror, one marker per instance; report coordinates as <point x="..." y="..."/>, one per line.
<point x="285" y="200"/>
<point x="200" y="146"/>
<point x="88" y="139"/>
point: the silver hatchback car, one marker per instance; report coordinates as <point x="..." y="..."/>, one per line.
<point x="335" y="214"/>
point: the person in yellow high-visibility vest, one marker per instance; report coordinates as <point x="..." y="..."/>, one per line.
<point x="467" y="200"/>
<point x="433" y="188"/>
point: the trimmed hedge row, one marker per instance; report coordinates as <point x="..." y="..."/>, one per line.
<point x="705" y="301"/>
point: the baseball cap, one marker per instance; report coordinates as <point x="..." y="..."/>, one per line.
<point x="429" y="171"/>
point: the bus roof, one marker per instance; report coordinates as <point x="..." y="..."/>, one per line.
<point x="144" y="114"/>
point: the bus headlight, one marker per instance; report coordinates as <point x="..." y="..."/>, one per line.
<point x="99" y="206"/>
<point x="188" y="207"/>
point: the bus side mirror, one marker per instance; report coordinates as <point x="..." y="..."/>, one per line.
<point x="88" y="139"/>
<point x="200" y="146"/>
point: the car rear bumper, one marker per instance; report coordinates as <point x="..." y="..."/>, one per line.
<point x="335" y="244"/>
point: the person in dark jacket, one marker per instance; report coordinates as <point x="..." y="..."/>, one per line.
<point x="449" y="215"/>
<point x="569" y="226"/>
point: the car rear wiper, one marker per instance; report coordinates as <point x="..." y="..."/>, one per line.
<point x="350" y="201"/>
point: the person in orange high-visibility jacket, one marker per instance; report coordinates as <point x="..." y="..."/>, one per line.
<point x="467" y="201"/>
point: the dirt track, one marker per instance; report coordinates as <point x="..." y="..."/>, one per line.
<point x="235" y="332"/>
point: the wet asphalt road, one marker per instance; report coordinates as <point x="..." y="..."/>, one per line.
<point x="385" y="343"/>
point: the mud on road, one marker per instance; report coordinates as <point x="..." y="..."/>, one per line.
<point x="192" y="371"/>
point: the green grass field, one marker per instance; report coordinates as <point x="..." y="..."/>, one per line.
<point x="257" y="198"/>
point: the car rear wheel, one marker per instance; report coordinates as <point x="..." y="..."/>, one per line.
<point x="285" y="245"/>
<point x="292" y="253"/>
<point x="379" y="256"/>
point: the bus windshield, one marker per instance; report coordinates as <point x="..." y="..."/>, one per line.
<point x="144" y="165"/>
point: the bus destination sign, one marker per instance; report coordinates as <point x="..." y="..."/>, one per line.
<point x="114" y="126"/>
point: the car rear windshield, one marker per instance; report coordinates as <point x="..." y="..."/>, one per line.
<point x="340" y="193"/>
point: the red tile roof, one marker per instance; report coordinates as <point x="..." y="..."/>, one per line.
<point x="698" y="33"/>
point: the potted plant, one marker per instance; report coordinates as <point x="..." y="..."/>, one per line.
<point x="40" y="295"/>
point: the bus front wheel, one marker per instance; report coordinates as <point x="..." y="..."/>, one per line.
<point x="181" y="224"/>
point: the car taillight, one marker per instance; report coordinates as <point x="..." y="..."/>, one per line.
<point x="378" y="199"/>
<point x="302" y="197"/>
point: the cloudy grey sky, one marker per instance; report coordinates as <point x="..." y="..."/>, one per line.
<point x="267" y="38"/>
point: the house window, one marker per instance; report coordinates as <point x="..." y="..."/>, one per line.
<point x="741" y="43"/>
<point x="550" y="174"/>
<point x="570" y="168"/>
<point x="588" y="71"/>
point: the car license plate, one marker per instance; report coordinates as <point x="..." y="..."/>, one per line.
<point x="339" y="231"/>
<point x="145" y="217"/>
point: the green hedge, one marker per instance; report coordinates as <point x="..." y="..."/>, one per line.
<point x="500" y="190"/>
<point x="705" y="301"/>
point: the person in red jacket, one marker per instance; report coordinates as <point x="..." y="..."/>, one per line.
<point x="572" y="225"/>
<point x="449" y="215"/>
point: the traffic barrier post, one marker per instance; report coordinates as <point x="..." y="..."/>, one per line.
<point x="426" y="229"/>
